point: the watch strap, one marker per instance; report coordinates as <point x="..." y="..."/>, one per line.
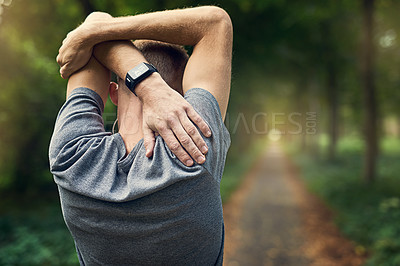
<point x="145" y="70"/>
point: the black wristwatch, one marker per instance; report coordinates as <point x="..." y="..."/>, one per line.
<point x="137" y="74"/>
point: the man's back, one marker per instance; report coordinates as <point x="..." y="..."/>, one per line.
<point x="132" y="209"/>
<point x="129" y="209"/>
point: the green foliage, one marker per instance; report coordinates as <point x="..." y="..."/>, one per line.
<point x="283" y="53"/>
<point x="36" y="237"/>
<point x="368" y="214"/>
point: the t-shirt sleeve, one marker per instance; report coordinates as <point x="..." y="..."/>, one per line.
<point x="81" y="115"/>
<point x="80" y="148"/>
<point x="218" y="144"/>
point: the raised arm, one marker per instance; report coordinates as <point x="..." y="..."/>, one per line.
<point x="208" y="29"/>
<point x="165" y="111"/>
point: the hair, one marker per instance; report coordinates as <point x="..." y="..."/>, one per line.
<point x="169" y="59"/>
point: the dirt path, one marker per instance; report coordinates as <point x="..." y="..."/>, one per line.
<point x="273" y="220"/>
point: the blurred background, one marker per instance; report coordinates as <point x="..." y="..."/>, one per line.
<point x="320" y="79"/>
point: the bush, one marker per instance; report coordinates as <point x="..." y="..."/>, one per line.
<point x="367" y="214"/>
<point x="36" y="237"/>
<point x="237" y="163"/>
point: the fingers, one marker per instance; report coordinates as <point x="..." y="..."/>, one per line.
<point x="63" y="67"/>
<point x="61" y="72"/>
<point x="59" y="62"/>
<point x="148" y="140"/>
<point x="196" y="118"/>
<point x="66" y="38"/>
<point x="58" y="59"/>
<point x="64" y="72"/>
<point x="187" y="142"/>
<point x="176" y="147"/>
<point x="194" y="134"/>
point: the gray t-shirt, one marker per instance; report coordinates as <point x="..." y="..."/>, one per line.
<point x="133" y="210"/>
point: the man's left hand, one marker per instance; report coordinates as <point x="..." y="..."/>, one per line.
<point x="74" y="53"/>
<point x="77" y="47"/>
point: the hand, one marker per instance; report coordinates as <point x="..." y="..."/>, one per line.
<point x="74" y="53"/>
<point x="77" y="47"/>
<point x="166" y="112"/>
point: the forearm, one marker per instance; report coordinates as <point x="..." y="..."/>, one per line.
<point x="122" y="56"/>
<point x="184" y="26"/>
<point x="118" y="56"/>
<point x="93" y="76"/>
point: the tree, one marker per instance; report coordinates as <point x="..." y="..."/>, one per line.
<point x="370" y="103"/>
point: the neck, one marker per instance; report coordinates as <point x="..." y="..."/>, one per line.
<point x="130" y="118"/>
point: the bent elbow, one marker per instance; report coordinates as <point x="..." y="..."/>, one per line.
<point x="222" y="16"/>
<point x="221" y="20"/>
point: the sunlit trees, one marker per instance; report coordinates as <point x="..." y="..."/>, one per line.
<point x="289" y="57"/>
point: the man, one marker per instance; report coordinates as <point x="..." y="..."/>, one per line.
<point x="124" y="204"/>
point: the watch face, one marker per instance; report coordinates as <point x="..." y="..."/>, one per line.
<point x="137" y="74"/>
<point x="138" y="71"/>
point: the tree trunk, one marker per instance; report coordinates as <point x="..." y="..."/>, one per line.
<point x="331" y="67"/>
<point x="314" y="106"/>
<point x="370" y="104"/>
<point x="333" y="110"/>
<point x="301" y="107"/>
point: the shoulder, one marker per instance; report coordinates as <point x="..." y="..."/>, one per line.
<point x="84" y="92"/>
<point x="79" y="121"/>
<point x="199" y="94"/>
<point x="207" y="106"/>
<point x="203" y="100"/>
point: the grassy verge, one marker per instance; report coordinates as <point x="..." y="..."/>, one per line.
<point x="33" y="233"/>
<point x="367" y="214"/>
<point x="237" y="164"/>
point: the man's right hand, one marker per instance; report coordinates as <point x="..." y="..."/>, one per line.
<point x="165" y="111"/>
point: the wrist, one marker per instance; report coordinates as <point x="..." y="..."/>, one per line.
<point x="95" y="26"/>
<point x="93" y="32"/>
<point x="107" y="30"/>
<point x="148" y="87"/>
<point x="138" y="74"/>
